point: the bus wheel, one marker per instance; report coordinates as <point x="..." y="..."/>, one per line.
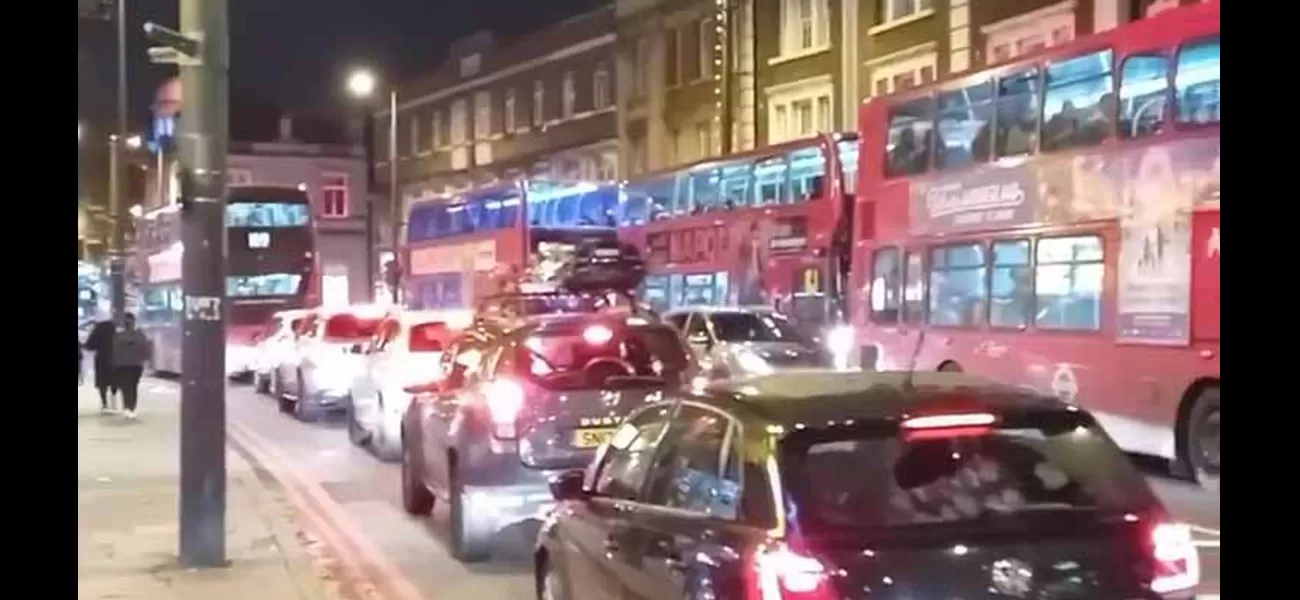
<point x="1202" y="435"/>
<point x="950" y="366"/>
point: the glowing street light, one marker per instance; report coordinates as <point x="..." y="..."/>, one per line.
<point x="361" y="83"/>
<point x="134" y="142"/>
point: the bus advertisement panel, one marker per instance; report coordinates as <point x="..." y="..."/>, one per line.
<point x="482" y="242"/>
<point x="270" y="266"/>
<point x="1054" y="222"/>
<point x="769" y="227"/>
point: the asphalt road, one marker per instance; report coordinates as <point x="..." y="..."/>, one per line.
<point x="363" y="494"/>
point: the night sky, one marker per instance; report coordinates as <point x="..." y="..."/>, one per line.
<point x="294" y="54"/>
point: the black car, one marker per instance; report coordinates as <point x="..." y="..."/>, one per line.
<point x="522" y="400"/>
<point x="822" y="485"/>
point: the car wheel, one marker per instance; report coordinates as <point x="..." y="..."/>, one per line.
<point x="417" y="500"/>
<point x="1202" y="435"/>
<point x="386" y="447"/>
<point x="551" y="584"/>
<point x="469" y="543"/>
<point x="302" y="408"/>
<point x="356" y="433"/>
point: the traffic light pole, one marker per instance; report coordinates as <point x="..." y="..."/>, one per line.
<point x="201" y="49"/>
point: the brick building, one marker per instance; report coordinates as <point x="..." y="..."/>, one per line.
<point x="540" y="105"/>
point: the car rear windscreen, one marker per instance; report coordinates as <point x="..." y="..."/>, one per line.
<point x="570" y="357"/>
<point x="875" y="476"/>
<point x="350" y="327"/>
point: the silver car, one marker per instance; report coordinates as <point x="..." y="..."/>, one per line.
<point x="741" y="341"/>
<point x="522" y="403"/>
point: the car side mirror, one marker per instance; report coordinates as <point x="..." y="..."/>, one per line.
<point x="568" y="486"/>
<point x="357" y="349"/>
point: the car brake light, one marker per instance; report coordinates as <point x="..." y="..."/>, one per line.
<point x="948" y="425"/>
<point x="1178" y="567"/>
<point x="784" y="574"/>
<point x="505" y="399"/>
<point x="597" y="335"/>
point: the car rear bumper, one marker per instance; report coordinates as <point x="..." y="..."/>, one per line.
<point x="498" y="507"/>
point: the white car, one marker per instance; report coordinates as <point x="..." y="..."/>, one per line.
<point x="274" y="345"/>
<point x="317" y="373"/>
<point x="404" y="352"/>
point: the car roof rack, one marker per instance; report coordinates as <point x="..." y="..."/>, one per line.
<point x="600" y="274"/>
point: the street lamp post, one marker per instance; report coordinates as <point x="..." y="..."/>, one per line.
<point x="362" y="84"/>
<point x="117" y="258"/>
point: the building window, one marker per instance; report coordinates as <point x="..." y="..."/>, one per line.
<point x="671" y="71"/>
<point x="691" y="48"/>
<point x="539" y="103"/>
<point x="703" y="139"/>
<point x="438" y="139"/>
<point x="508" y="115"/>
<point x="334" y="195"/>
<point x="640" y="67"/>
<point x="805" y="26"/>
<point x="1029" y="32"/>
<point x="482" y="115"/>
<point x="570" y="95"/>
<point x="901" y="9"/>
<point x="904" y="73"/>
<point x="600" y="87"/>
<point x="459" y="121"/>
<point x="608" y="165"/>
<point x="800" y="109"/>
<point x="708" y="39"/>
<point x="239" y="177"/>
<point x="415" y="135"/>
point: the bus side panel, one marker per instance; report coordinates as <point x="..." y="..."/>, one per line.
<point x="1205" y="276"/>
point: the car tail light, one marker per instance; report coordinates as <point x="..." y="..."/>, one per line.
<point x="948" y="425"/>
<point x="597" y="335"/>
<point x="1178" y="567"/>
<point x="505" y="399"/>
<point x="784" y="574"/>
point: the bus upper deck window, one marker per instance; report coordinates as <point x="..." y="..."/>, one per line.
<point x="1143" y="94"/>
<point x="1017" y="117"/>
<point x="1197" y="83"/>
<point x="965" y="116"/>
<point x="1079" y="102"/>
<point x="911" y="133"/>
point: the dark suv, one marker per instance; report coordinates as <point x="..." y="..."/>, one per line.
<point x="822" y="486"/>
<point x="521" y="402"/>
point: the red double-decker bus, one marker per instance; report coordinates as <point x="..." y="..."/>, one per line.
<point x="770" y="226"/>
<point x="481" y="242"/>
<point x="1054" y="222"/>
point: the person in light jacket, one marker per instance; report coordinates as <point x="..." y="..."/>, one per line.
<point x="131" y="350"/>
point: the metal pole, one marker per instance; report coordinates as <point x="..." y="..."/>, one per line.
<point x="203" y="138"/>
<point x="394" y="197"/>
<point x="117" y="256"/>
<point x="728" y="75"/>
<point x="372" y="257"/>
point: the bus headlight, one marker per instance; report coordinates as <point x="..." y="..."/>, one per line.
<point x="839" y="341"/>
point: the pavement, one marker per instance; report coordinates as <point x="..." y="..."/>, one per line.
<point x="127" y="491"/>
<point x="350" y="502"/>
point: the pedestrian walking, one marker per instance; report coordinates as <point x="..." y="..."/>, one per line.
<point x="100" y="341"/>
<point x="131" y="350"/>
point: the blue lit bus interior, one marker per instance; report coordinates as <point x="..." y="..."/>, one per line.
<point x="267" y="214"/>
<point x="550" y="205"/>
<point x="790" y="178"/>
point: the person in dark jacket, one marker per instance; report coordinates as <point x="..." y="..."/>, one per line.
<point x="100" y="341"/>
<point x="131" y="350"/>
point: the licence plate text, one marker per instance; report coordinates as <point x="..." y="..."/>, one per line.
<point x="591" y="438"/>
